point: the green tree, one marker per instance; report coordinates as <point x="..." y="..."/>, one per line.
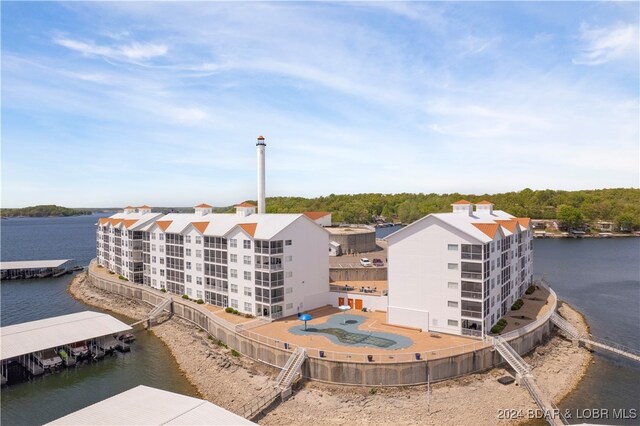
<point x="569" y="216"/>
<point x="626" y="221"/>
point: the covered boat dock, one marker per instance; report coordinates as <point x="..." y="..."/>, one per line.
<point x="20" y="342"/>
<point x="144" y="405"/>
<point x="32" y="268"/>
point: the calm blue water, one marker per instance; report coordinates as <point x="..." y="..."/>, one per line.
<point x="599" y="277"/>
<point x="48" y="398"/>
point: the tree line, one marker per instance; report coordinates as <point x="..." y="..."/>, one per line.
<point x="619" y="205"/>
<point x="43" y="211"/>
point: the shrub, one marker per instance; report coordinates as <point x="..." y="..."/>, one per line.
<point x="185" y="296"/>
<point x="517" y="305"/>
<point x="163" y="290"/>
<point x="499" y="326"/>
<point x="530" y="290"/>
<point x="112" y="273"/>
<point x="229" y="310"/>
<point x="248" y="316"/>
<point x="235" y="311"/>
<point x="122" y="278"/>
<point x="234" y="352"/>
<point x="373" y="391"/>
<point x="199" y="301"/>
<point x="221" y="344"/>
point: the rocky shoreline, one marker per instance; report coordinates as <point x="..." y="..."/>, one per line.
<point x="230" y="381"/>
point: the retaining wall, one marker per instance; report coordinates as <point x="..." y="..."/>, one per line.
<point x="387" y="370"/>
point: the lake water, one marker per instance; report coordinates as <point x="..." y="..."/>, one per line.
<point x="50" y="397"/>
<point x="599" y="277"/>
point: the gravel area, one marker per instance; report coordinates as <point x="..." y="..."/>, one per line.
<point x="230" y="381"/>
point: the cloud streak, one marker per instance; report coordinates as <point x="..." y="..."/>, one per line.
<point x="133" y="51"/>
<point x="606" y="44"/>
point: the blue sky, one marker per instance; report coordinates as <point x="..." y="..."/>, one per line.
<point x="117" y="103"/>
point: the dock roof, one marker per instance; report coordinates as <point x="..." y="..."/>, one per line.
<point x="144" y="405"/>
<point x="33" y="336"/>
<point x="33" y="264"/>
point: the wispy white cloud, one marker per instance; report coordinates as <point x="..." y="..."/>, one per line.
<point x="606" y="44"/>
<point x="133" y="51"/>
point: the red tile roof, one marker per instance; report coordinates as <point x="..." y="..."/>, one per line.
<point x="245" y="204"/>
<point x="164" y="224"/>
<point x="144" y="207"/>
<point x="103" y="220"/>
<point x="204" y="206"/>
<point x="315" y="215"/>
<point x="485" y="202"/>
<point x="524" y="221"/>
<point x="461" y="202"/>
<point x="129" y="222"/>
<point x="249" y="228"/>
<point x="509" y="224"/>
<point x="200" y="226"/>
<point x="488" y="229"/>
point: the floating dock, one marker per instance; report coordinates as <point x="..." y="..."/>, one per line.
<point x="28" y="343"/>
<point x="32" y="268"/>
<point x="144" y="405"/>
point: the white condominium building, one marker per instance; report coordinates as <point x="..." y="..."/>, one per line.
<point x="269" y="265"/>
<point x="458" y="272"/>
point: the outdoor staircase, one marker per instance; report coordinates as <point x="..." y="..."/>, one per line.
<point x="166" y="303"/>
<point x="511" y="356"/>
<point x="572" y="333"/>
<point x="291" y="369"/>
<point x="523" y="374"/>
<point x="282" y="387"/>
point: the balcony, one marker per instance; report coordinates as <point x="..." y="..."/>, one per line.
<point x="473" y="333"/>
<point x="471" y="295"/>
<point x="471" y="314"/>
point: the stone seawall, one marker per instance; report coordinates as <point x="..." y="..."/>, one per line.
<point x="330" y="371"/>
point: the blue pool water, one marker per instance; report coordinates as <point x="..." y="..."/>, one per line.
<point x="344" y="330"/>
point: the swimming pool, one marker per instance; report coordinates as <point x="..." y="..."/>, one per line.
<point x="343" y="330"/>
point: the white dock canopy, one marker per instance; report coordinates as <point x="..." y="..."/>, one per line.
<point x="33" y="264"/>
<point x="28" y="337"/>
<point x="143" y="405"/>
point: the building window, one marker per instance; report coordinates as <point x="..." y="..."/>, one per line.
<point x="188" y="278"/>
<point x="188" y="292"/>
<point x="153" y="236"/>
<point x="287" y="242"/>
<point x="247" y="275"/>
<point x="198" y="239"/>
<point x="198" y="253"/>
<point x="233" y="273"/>
<point x="247" y="291"/>
<point x="199" y="267"/>
<point x="187" y="238"/>
<point x="247" y="260"/>
<point x="233" y="243"/>
<point x="452" y="266"/>
<point x="452" y="285"/>
<point x="162" y="272"/>
<point x="199" y="280"/>
<point x="289" y="306"/>
<point x="153" y="247"/>
<point x="188" y="265"/>
<point x="246" y="244"/>
<point x="289" y="274"/>
<point x="247" y="307"/>
<point x="452" y="304"/>
<point x="288" y="258"/>
<point x="234" y="303"/>
<point x="161" y="249"/>
<point x="153" y="271"/>
<point x="452" y="247"/>
<point x="161" y="237"/>
<point x="233" y="258"/>
<point x="233" y="288"/>
<point x="199" y="294"/>
<point x="452" y="323"/>
<point x="187" y="252"/>
<point x="162" y="260"/>
<point x="289" y="290"/>
<point x="153" y="259"/>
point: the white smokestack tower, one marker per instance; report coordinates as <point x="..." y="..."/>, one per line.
<point x="260" y="146"/>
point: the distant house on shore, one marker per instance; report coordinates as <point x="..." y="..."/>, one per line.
<point x="605" y="226"/>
